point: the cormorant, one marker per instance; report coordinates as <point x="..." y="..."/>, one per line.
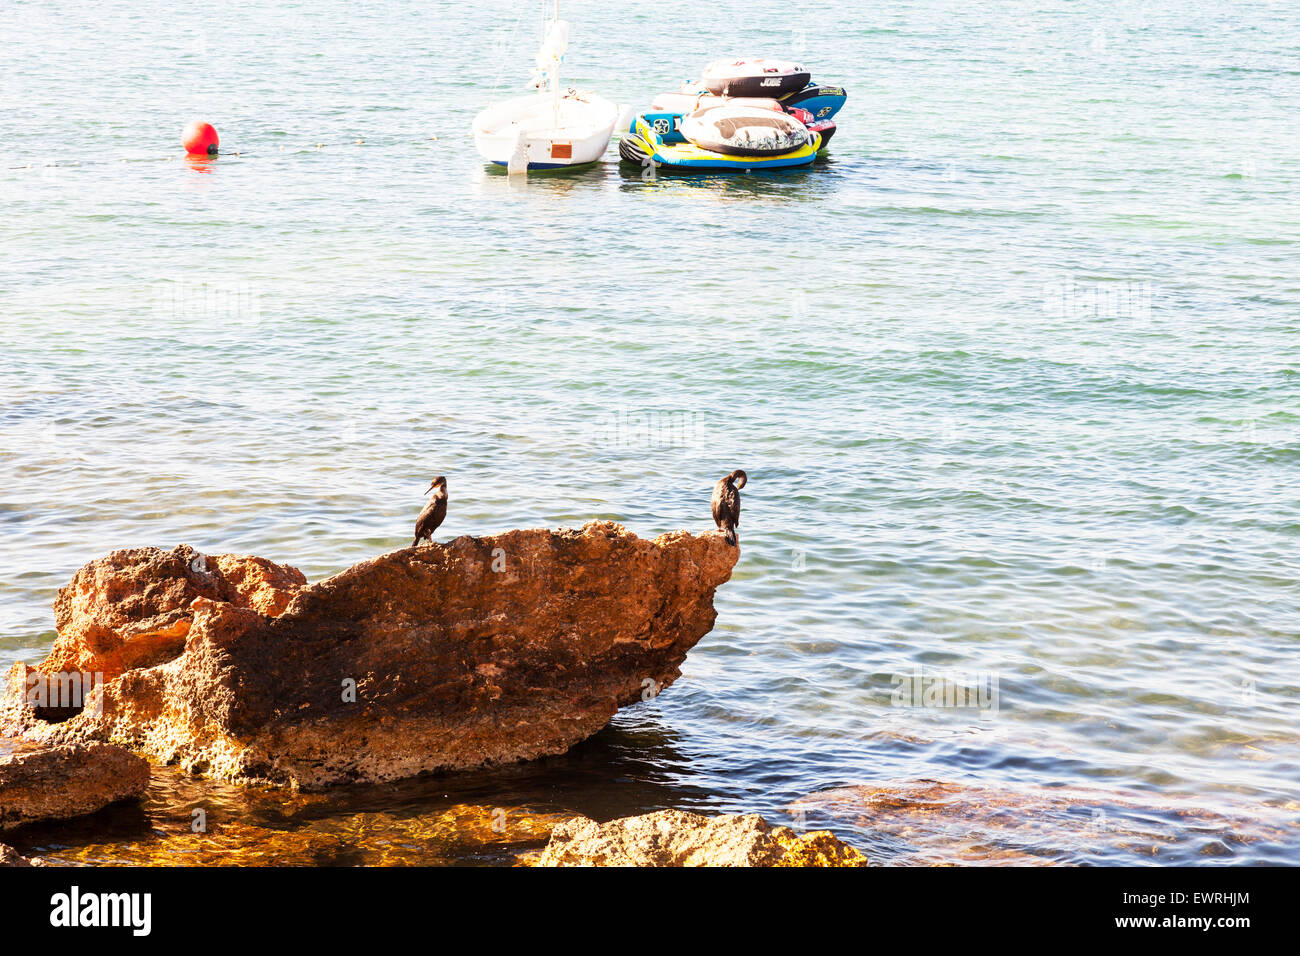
<point x="433" y="512"/>
<point x="726" y="503"/>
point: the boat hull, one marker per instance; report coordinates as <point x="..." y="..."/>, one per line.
<point x="541" y="167"/>
<point x="532" y="129"/>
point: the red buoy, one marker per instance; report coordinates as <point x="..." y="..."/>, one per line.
<point x="200" y="139"/>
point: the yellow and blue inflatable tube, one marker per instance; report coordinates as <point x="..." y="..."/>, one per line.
<point x="654" y="139"/>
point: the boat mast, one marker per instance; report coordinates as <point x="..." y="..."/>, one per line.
<point x="555" y="74"/>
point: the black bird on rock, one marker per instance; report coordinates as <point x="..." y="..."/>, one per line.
<point x="434" y="512"/>
<point x="726" y="503"/>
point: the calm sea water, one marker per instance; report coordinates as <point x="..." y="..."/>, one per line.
<point x="1013" y="372"/>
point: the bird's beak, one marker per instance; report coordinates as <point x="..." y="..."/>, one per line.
<point x="430" y="488"/>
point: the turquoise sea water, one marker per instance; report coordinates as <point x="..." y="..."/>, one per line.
<point x="1012" y="369"/>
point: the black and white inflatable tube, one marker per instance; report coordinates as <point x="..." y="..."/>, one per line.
<point x="744" y="131"/>
<point x="755" y="77"/>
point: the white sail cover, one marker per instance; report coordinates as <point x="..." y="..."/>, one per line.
<point x="549" y="56"/>
<point x="554" y="46"/>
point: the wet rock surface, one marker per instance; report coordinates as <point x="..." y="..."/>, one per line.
<point x="59" y="782"/>
<point x="678" y="838"/>
<point x="465" y="654"/>
<point x="11" y="857"/>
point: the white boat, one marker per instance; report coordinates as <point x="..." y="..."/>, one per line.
<point x="552" y="128"/>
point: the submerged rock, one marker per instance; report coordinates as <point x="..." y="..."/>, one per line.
<point x="450" y="835"/>
<point x="677" y="838"/>
<point x="55" y="783"/>
<point x="457" y="655"/>
<point x="933" y="822"/>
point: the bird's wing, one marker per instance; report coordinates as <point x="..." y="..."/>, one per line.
<point x="425" y="524"/>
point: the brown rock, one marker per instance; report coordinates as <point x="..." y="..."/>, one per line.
<point x="54" y="783"/>
<point x="11" y="857"/>
<point x="677" y="838"/>
<point x="132" y="608"/>
<point x="480" y="651"/>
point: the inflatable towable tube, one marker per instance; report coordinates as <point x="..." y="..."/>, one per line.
<point x="744" y="131"/>
<point x="826" y="126"/>
<point x="689" y="101"/>
<point x="820" y="99"/>
<point x="656" y="139"/>
<point x="683" y="102"/>
<point x="755" y="77"/>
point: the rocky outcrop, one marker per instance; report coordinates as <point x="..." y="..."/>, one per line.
<point x="480" y="651"/>
<point x="677" y="838"/>
<point x="55" y="783"/>
<point x="11" y="857"/>
<point x="134" y="608"/>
